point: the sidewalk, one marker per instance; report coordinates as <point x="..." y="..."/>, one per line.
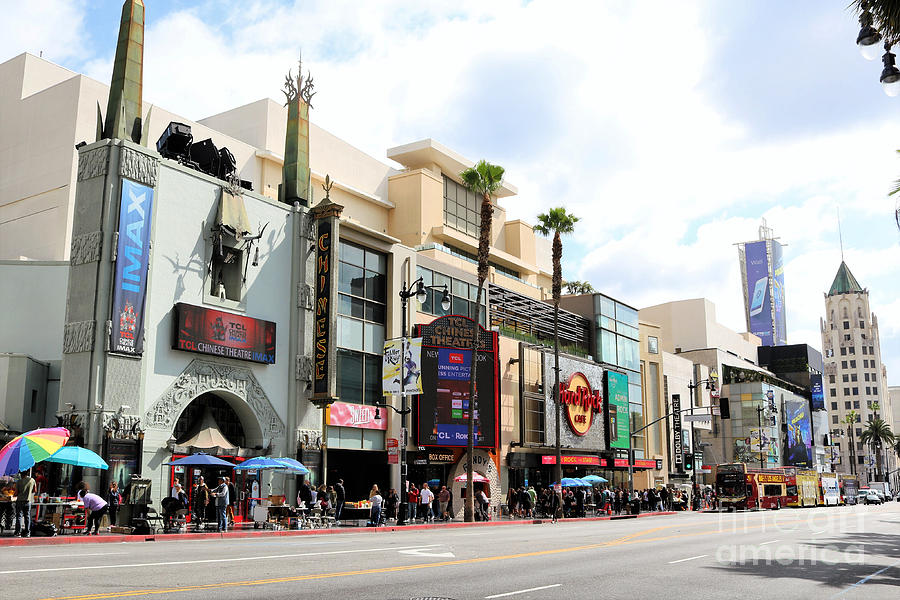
<point x="114" y="538"/>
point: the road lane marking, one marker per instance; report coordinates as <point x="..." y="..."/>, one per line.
<point x="687" y="559"/>
<point x="211" y="560"/>
<point x="865" y="579"/>
<point x="69" y="555"/>
<point x="422" y="552"/>
<point x="534" y="589"/>
<point x="767" y="543"/>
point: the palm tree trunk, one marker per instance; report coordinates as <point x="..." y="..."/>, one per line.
<point x="484" y="247"/>
<point x="557" y="290"/>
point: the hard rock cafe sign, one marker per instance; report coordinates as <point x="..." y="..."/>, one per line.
<point x="580" y="403"/>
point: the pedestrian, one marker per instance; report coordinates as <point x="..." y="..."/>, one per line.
<point x="426" y="496"/>
<point x="94" y="508"/>
<point x="175" y="484"/>
<point x="340" y="497"/>
<point x="304" y="496"/>
<point x="376" y="501"/>
<point x="525" y="503"/>
<point x="579" y="502"/>
<point x="322" y="499"/>
<point x="391" y="502"/>
<point x="512" y="502"/>
<point x="199" y="501"/>
<point x="484" y="503"/>
<point x="532" y="495"/>
<point x="232" y="500"/>
<point x="221" y="496"/>
<point x="444" y="499"/>
<point x="24" y="497"/>
<point x="114" y="499"/>
<point x="412" y="498"/>
<point x="555" y="506"/>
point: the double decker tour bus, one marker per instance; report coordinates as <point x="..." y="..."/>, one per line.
<point x="849" y="485"/>
<point x="802" y="486"/>
<point x="741" y="487"/>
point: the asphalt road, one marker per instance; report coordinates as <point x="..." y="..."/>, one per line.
<point x="847" y="553"/>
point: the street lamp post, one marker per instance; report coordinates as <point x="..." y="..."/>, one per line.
<point x="712" y="385"/>
<point x="418" y="289"/>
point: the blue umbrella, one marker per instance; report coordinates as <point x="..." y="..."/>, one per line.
<point x="582" y="482"/>
<point x="594" y="479"/>
<point x="201" y="460"/>
<point x="259" y="463"/>
<point x="293" y="465"/>
<point x="78" y="456"/>
<point x="571" y="482"/>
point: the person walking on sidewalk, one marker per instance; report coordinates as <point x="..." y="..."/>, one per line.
<point x="444" y="499"/>
<point x="114" y="499"/>
<point x="24" y="498"/>
<point x="555" y="506"/>
<point x="199" y="500"/>
<point x="426" y="497"/>
<point x="340" y="497"/>
<point x="94" y="508"/>
<point x="376" y="500"/>
<point x="221" y="496"/>
<point x="232" y="500"/>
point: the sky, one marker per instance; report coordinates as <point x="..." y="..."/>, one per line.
<point x="670" y="128"/>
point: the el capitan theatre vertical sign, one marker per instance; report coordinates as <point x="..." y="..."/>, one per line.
<point x="132" y="261"/>
<point x="326" y="217"/>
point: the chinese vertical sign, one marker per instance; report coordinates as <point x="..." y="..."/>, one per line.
<point x="322" y="310"/>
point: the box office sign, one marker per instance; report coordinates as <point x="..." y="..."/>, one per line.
<point x="444" y="407"/>
<point x="209" y="331"/>
<point x="132" y="260"/>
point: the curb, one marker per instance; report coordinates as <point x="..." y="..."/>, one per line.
<point x="121" y="538"/>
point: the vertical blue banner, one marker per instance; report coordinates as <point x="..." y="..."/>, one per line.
<point x="132" y="261"/>
<point x="818" y="394"/>
<point x="760" y="296"/>
<point x="778" y="294"/>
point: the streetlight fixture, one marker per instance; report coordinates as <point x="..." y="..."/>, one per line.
<point x="890" y="75"/>
<point x="868" y="38"/>
<point x="712" y="384"/>
<point x="419" y="290"/>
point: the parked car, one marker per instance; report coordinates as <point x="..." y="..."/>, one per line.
<point x="872" y="497"/>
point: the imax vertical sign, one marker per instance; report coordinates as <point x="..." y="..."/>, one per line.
<point x="132" y="262"/>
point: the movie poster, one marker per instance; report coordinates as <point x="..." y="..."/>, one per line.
<point x="798" y="445"/>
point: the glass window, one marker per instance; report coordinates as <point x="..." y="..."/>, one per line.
<point x="852" y="364"/>
<point x="352" y="280"/>
<point x="350" y="333"/>
<point x="834" y="419"/>
<point x="843" y="364"/>
<point x="652" y="345"/>
<point x="372" y="375"/>
<point x="629" y="354"/>
<point x="352" y="254"/>
<point x="349" y="376"/>
<point x="856" y="391"/>
<point x="607" y="346"/>
<point x="847" y="405"/>
<point x="376" y="261"/>
<point x="461" y="208"/>
<point x="372" y="439"/>
<point x="607" y="307"/>
<point x="627" y="315"/>
<point x="833" y="392"/>
<point x="834" y="406"/>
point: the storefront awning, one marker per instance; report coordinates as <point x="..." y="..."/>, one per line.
<point x="233" y="215"/>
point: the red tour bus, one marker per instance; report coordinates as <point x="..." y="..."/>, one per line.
<point x="741" y="487"/>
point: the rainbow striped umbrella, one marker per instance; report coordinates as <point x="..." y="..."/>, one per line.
<point x="31" y="447"/>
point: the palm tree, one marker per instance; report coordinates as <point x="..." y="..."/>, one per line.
<point x="483" y="179"/>
<point x="578" y="287"/>
<point x="849" y="421"/>
<point x="876" y="433"/>
<point x="558" y="221"/>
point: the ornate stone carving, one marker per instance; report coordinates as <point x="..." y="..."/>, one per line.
<point x="138" y="167"/>
<point x="86" y="248"/>
<point x="309" y="439"/>
<point x="78" y="337"/>
<point x="202" y="376"/>
<point x="93" y="163"/>
<point x="304" y="368"/>
<point x="305" y="296"/>
<point x="123" y="427"/>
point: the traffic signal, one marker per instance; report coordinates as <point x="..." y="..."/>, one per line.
<point x="724" y="408"/>
<point x="689" y="461"/>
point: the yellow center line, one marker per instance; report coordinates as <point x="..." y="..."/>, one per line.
<point x="634" y="538"/>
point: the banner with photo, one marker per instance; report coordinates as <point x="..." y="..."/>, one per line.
<point x="393" y="362"/>
<point x="132" y="261"/>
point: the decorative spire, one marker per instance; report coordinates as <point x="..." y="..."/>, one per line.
<point x="844" y="282"/>
<point x="298" y="94"/>
<point x="125" y="106"/>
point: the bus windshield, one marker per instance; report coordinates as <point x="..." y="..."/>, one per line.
<point x="732" y="485"/>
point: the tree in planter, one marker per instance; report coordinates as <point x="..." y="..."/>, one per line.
<point x="877" y="433"/>
<point x="483" y="179"/>
<point x="557" y="221"/>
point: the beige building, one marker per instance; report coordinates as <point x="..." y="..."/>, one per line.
<point x="855" y="378"/>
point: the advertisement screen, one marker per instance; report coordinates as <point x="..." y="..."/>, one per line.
<point x="760" y="296"/>
<point x="132" y="259"/>
<point x="818" y="395"/>
<point x="778" y="294"/>
<point x="444" y="405"/>
<point x="798" y="445"/>
<point x="208" y="331"/>
<point x="617" y="409"/>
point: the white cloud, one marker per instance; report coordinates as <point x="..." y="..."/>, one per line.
<point x="51" y="28"/>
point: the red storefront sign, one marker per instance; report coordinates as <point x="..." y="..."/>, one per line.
<point x="361" y="416"/>
<point x="571" y="460"/>
<point x="393" y="450"/>
<point x="623" y="462"/>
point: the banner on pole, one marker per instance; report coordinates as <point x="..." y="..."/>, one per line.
<point x="411" y="364"/>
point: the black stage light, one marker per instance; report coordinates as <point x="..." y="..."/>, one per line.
<point x="227" y="164"/>
<point x="247" y="185"/>
<point x="206" y="155"/>
<point x="175" y="141"/>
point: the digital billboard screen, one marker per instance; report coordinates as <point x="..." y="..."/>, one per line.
<point x="759" y="295"/>
<point x="209" y="331"/>
<point x="818" y="394"/>
<point x="617" y="415"/>
<point x="798" y="445"/>
<point x="444" y="405"/>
